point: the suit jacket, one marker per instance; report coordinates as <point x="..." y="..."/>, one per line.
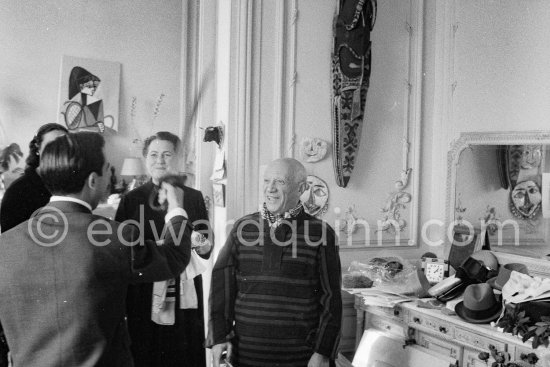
<point x="22" y="198"/>
<point x="64" y="304"/>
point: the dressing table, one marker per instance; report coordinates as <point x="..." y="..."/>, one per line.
<point x="450" y="340"/>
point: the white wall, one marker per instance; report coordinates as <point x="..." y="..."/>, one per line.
<point x="144" y="36"/>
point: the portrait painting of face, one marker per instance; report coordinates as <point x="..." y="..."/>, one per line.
<point x="313" y="149"/>
<point x="89" y="92"/>
<point x="89" y="87"/>
<point x="525" y="199"/>
<point x="315" y="198"/>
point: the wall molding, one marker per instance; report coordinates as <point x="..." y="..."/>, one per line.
<point x="285" y="78"/>
<point x="443" y="93"/>
<point x="293" y="76"/>
<point x="279" y="81"/>
<point x="397" y="200"/>
<point x="243" y="152"/>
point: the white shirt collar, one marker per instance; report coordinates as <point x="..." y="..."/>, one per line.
<point x="69" y="198"/>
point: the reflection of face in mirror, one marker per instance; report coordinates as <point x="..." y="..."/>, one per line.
<point x="315" y="198"/>
<point x="313" y="149"/>
<point x="531" y="157"/>
<point x="526" y="199"/>
<point x="523" y="161"/>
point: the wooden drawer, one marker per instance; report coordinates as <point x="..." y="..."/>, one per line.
<point x="396" y="313"/>
<point x="385" y="324"/>
<point x="440" y="327"/>
<point x="439" y="345"/>
<point x="480" y="343"/>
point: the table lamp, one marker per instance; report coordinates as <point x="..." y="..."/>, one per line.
<point x="133" y="167"/>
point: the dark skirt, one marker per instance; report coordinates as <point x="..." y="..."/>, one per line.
<point x="153" y="345"/>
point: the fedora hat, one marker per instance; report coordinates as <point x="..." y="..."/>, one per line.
<point x="504" y="274"/>
<point x="480" y="305"/>
<point x="487" y="258"/>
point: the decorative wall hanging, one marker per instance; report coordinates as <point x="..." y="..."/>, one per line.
<point x="218" y="191"/>
<point x="313" y="149"/>
<point x="138" y="140"/>
<point x="523" y="162"/>
<point x="524" y="177"/>
<point x="525" y="200"/>
<point x="315" y="198"/>
<point x="459" y="210"/>
<point x="351" y="67"/>
<point x="89" y="94"/>
<point x="490" y="220"/>
<point x="391" y="215"/>
<point x="349" y="223"/>
<point x="214" y="133"/>
<point x="218" y="170"/>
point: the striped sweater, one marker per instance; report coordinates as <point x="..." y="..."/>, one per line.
<point x="276" y="292"/>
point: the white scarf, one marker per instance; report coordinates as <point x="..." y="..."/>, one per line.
<point x="164" y="301"/>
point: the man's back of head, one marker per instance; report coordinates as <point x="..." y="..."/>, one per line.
<point x="68" y="162"/>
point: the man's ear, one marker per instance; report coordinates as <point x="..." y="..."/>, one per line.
<point x="92" y="180"/>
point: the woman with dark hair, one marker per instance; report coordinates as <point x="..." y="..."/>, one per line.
<point x="169" y="332"/>
<point x="28" y="193"/>
<point x="82" y="108"/>
<point x="10" y="167"/>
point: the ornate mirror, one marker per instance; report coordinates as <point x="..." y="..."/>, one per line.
<point x="494" y="183"/>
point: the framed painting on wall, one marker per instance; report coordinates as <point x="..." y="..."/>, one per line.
<point x="89" y="94"/>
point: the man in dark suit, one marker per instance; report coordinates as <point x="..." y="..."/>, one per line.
<point x="64" y="273"/>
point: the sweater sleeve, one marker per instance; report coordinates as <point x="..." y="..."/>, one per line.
<point x="328" y="331"/>
<point x="223" y="292"/>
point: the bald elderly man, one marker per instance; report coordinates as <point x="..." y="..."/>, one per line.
<point x="275" y="293"/>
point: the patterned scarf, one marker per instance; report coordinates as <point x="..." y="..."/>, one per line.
<point x="275" y="220"/>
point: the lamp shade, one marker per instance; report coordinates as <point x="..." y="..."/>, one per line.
<point x="132" y="167"/>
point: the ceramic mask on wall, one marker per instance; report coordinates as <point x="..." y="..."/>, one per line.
<point x="315" y="198"/>
<point x="525" y="199"/>
<point x="313" y="149"/>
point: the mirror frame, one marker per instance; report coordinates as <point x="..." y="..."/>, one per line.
<point x="537" y="267"/>
<point x="467" y="139"/>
